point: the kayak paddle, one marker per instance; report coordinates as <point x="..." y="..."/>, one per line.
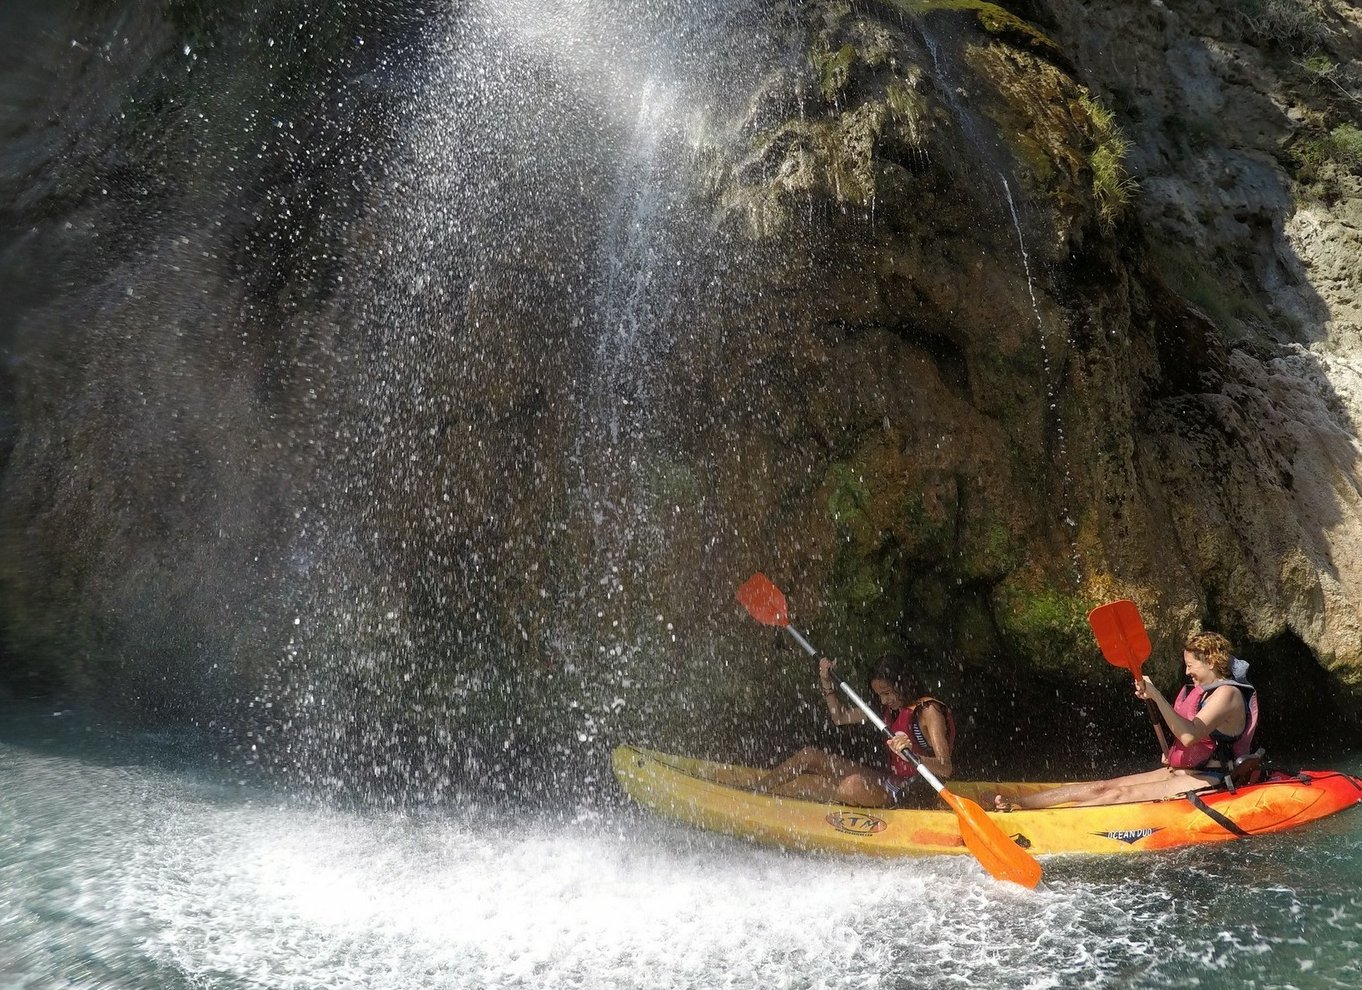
<point x="1002" y="858"/>
<point x="1121" y="634"/>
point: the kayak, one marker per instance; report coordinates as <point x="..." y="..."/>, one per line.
<point x="717" y="797"/>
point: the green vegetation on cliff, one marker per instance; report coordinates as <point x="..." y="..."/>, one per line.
<point x="1042" y="622"/>
<point x="1112" y="185"/>
<point x="991" y="17"/>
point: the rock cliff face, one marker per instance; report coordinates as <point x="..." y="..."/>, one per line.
<point x="1247" y="153"/>
<point x="1154" y="400"/>
<point x="441" y="425"/>
<point x="1242" y="119"/>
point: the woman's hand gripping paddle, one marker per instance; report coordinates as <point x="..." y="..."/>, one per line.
<point x="1121" y="634"/>
<point x="1002" y="858"/>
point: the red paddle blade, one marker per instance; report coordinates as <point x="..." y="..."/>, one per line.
<point x="1002" y="858"/>
<point x="1121" y="634"/>
<point x="763" y="600"/>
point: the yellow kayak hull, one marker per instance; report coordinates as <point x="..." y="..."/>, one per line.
<point x="715" y="796"/>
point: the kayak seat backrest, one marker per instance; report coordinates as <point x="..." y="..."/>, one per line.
<point x="1246" y="769"/>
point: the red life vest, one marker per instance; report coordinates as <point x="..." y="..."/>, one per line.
<point x="906" y="720"/>
<point x="1218" y="749"/>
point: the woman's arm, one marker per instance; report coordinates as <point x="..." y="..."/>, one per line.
<point x="933" y="722"/>
<point x="839" y="710"/>
<point x="1218" y="714"/>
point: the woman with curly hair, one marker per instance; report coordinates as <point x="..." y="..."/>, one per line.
<point x="1212" y="722"/>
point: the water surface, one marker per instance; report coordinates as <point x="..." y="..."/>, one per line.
<point x="135" y="861"/>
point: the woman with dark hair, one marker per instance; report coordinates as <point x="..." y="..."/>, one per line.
<point x="923" y="726"/>
<point x="1212" y="721"/>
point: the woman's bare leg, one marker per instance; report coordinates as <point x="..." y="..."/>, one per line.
<point x="1148" y="786"/>
<point x="1167" y="784"/>
<point x="809" y="761"/>
<point x="865" y="789"/>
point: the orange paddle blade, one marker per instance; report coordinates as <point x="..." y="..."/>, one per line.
<point x="1121" y="634"/>
<point x="991" y="846"/>
<point x="764" y="600"/>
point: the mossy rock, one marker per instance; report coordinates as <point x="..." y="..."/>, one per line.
<point x="1043" y="622"/>
<point x="1209" y="286"/>
<point x="929" y="523"/>
<point x="865" y="603"/>
<point x="833" y="69"/>
<point x="1069" y="146"/>
<point x="670" y="483"/>
<point x="988" y="550"/>
<point x="992" y="18"/>
<point x="848" y="495"/>
<point x="974" y="632"/>
<point x="873" y="504"/>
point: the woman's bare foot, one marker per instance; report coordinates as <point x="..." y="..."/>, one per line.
<point x="1001" y="803"/>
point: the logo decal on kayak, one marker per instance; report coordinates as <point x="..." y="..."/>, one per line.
<point x="1130" y="836"/>
<point x="856" y="822"/>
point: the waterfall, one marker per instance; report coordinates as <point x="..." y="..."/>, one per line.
<point x="423" y="387"/>
<point x="503" y="471"/>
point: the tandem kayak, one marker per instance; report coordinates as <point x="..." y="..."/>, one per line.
<point x="716" y="796"/>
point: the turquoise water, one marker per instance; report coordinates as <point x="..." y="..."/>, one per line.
<point x="136" y="862"/>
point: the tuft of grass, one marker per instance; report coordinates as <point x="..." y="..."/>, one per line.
<point x="1319" y="65"/>
<point x="1296" y="25"/>
<point x="1345" y="142"/>
<point x="1344" y="79"/>
<point x="1112" y="186"/>
<point x="1341" y="146"/>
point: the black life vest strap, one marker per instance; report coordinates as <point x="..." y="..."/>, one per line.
<point x="1215" y="816"/>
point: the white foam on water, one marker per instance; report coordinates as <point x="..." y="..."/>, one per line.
<point x="317" y="898"/>
<point x="127" y="876"/>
